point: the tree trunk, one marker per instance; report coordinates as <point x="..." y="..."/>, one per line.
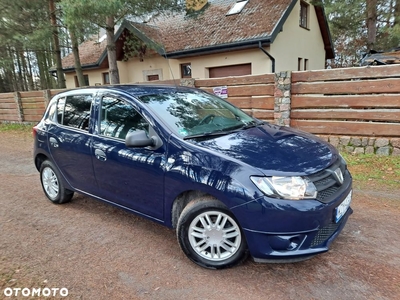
<point x="13" y="77"/>
<point x="20" y="82"/>
<point x="48" y="63"/>
<point x="31" y="85"/>
<point x="42" y="76"/>
<point x="2" y="84"/>
<point x="10" y="81"/>
<point x="25" y="70"/>
<point x="56" y="42"/>
<point x="75" y="51"/>
<point x="111" y="51"/>
<point x="371" y="23"/>
<point x="397" y="13"/>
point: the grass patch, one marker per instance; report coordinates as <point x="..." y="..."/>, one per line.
<point x="368" y="169"/>
<point x="15" y="127"/>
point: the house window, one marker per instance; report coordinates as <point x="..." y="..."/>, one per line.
<point x="186" y="70"/>
<point x="304" y="8"/>
<point x="237" y="7"/>
<point x="299" y="63"/>
<point x="153" y="77"/>
<point x="85" y="77"/>
<point x="305" y="64"/>
<point x="106" y="78"/>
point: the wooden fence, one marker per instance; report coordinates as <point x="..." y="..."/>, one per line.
<point x="8" y="108"/>
<point x="24" y="106"/>
<point x="357" y="102"/>
<point x="253" y="94"/>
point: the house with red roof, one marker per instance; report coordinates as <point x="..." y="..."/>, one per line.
<point x="215" y="38"/>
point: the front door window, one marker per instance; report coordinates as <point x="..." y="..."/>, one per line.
<point x="118" y="118"/>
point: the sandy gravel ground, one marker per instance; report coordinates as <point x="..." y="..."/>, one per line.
<point x="99" y="252"/>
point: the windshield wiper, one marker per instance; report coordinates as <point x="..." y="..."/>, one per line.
<point x="205" y="134"/>
<point x="225" y="131"/>
<point x="252" y="124"/>
<point x="222" y="131"/>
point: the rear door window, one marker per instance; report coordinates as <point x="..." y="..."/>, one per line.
<point x="74" y="111"/>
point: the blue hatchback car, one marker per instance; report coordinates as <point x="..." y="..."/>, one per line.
<point x="230" y="185"/>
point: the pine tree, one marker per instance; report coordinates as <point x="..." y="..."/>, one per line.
<point x="56" y="44"/>
<point x="107" y="14"/>
<point x="25" y="35"/>
<point x="358" y="26"/>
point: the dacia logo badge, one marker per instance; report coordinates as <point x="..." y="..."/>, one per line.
<point x="339" y="175"/>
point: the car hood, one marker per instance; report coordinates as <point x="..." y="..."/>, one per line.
<point x="275" y="150"/>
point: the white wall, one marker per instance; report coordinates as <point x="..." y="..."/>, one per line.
<point x="294" y="42"/>
<point x="95" y="77"/>
<point x="260" y="63"/>
<point x="135" y="70"/>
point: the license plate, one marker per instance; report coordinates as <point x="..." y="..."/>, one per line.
<point x="343" y="207"/>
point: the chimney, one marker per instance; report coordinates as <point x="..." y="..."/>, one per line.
<point x="195" y="5"/>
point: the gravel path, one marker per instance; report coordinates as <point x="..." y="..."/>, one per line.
<point x="99" y="252"/>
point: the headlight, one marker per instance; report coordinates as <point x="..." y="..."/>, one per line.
<point x="293" y="188"/>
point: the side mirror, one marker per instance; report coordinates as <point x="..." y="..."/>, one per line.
<point x="139" y="138"/>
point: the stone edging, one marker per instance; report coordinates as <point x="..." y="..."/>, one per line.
<point x="365" y="145"/>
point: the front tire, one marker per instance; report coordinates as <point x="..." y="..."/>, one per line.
<point x="210" y="236"/>
<point x="52" y="184"/>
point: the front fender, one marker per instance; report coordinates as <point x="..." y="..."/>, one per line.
<point x="232" y="191"/>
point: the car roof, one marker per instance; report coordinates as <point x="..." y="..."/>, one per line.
<point x="142" y="89"/>
<point x="132" y="89"/>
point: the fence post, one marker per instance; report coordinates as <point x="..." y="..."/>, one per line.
<point x="190" y="82"/>
<point x="282" y="94"/>
<point x="20" y="110"/>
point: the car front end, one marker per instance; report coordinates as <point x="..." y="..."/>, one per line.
<point x="280" y="229"/>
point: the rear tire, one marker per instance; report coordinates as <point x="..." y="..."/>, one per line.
<point x="52" y="184"/>
<point x="210" y="236"/>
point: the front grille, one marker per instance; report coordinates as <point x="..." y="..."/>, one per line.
<point x="326" y="182"/>
<point x="324" y="234"/>
<point x="326" y="194"/>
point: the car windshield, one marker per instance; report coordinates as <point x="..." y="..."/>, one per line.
<point x="196" y="113"/>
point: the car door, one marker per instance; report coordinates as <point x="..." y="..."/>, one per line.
<point x="69" y="141"/>
<point x="129" y="177"/>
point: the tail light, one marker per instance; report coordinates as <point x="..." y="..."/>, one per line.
<point x="34" y="131"/>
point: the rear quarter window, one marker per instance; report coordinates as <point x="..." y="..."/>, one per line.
<point x="74" y="111"/>
<point x="50" y="113"/>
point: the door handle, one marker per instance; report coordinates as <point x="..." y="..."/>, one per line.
<point x="100" y="155"/>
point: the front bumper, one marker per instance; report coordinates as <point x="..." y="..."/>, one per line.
<point x="291" y="247"/>
<point x="284" y="231"/>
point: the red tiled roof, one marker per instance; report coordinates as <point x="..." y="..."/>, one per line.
<point x="183" y="32"/>
<point x="90" y="52"/>
<point x="211" y="26"/>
